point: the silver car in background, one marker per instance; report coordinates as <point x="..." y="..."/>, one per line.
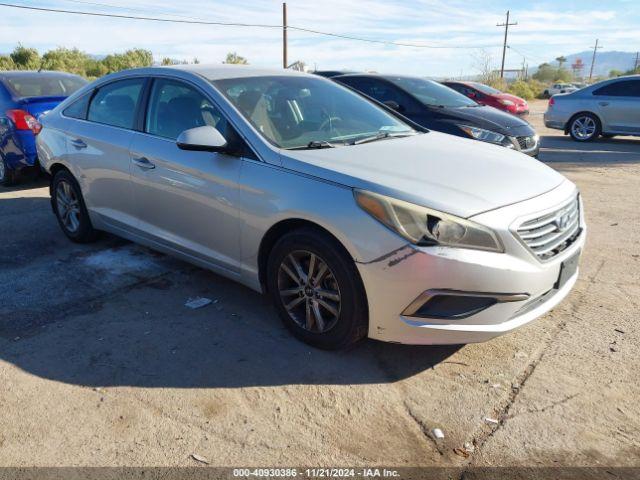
<point x="354" y="222"/>
<point x="608" y="108"/>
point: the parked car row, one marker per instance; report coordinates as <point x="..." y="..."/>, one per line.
<point x="353" y="217"/>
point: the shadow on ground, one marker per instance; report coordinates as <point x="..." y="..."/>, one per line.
<point x="604" y="152"/>
<point x="113" y="314"/>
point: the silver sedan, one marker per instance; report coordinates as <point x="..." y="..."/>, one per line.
<point x="354" y="222"/>
<point x="607" y="108"/>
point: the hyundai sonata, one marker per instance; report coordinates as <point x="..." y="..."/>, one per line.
<point x="354" y="222"/>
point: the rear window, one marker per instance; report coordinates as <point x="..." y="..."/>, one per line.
<point x="34" y="85"/>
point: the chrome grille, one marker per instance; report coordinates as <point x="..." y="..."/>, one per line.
<point x="550" y="234"/>
<point x="526" y="143"/>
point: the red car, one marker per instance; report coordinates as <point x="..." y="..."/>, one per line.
<point x="486" y="95"/>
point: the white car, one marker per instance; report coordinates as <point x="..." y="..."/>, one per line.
<point x="559" y="88"/>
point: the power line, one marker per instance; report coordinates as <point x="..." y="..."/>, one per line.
<point x="131" y="17"/>
<point x="206" y="22"/>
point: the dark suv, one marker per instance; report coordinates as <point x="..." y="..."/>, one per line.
<point x="437" y="107"/>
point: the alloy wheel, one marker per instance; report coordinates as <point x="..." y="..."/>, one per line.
<point x="68" y="206"/>
<point x="309" y="291"/>
<point x="583" y="128"/>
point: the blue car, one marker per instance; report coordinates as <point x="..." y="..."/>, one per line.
<point x="24" y="97"/>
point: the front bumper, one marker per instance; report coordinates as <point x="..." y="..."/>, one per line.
<point x="394" y="282"/>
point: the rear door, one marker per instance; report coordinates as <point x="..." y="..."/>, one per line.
<point x="186" y="200"/>
<point x="618" y="105"/>
<point x="98" y="142"/>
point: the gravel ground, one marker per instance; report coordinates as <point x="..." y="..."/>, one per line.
<point x="101" y="364"/>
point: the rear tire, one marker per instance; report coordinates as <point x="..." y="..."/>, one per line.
<point x="584" y="127"/>
<point x="70" y="209"/>
<point x="327" y="308"/>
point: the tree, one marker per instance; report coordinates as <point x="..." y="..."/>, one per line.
<point x="25" y="58"/>
<point x="66" y="60"/>
<point x="134" y="58"/>
<point x="6" y="63"/>
<point x="234" y="58"/>
<point x="483" y="62"/>
<point x="561" y="59"/>
<point x="615" y="73"/>
<point x="548" y="73"/>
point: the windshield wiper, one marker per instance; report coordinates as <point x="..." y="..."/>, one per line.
<point x="380" y="136"/>
<point x="314" y="144"/>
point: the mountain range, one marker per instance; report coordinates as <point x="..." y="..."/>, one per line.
<point x="605" y="61"/>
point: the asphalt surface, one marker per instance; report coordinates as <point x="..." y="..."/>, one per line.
<point x="101" y="363"/>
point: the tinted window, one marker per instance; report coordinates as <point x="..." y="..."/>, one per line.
<point x="44" y="85"/>
<point x="432" y="93"/>
<point x="175" y="107"/>
<point x="78" y="109"/>
<point x="485" y="88"/>
<point x="115" y="103"/>
<point x="623" y="88"/>
<point x="382" y="91"/>
<point x="292" y="111"/>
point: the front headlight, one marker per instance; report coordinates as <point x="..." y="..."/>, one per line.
<point x="506" y="102"/>
<point x="482" y="134"/>
<point x="425" y="226"/>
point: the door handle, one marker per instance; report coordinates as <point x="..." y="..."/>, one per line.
<point x="143" y="163"/>
<point x="78" y="143"/>
<point x="603" y="104"/>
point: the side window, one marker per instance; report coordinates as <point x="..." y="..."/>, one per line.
<point x="624" y="88"/>
<point x="115" y="103"/>
<point x="78" y="109"/>
<point x="175" y="107"/>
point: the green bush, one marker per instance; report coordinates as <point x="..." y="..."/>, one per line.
<point x="521" y="89"/>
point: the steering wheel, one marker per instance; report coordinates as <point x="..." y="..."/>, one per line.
<point x="328" y="123"/>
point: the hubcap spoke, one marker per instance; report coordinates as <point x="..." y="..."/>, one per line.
<point x="329" y="307"/>
<point x="318" y="316"/>
<point x="288" y="271"/>
<point x="294" y="303"/>
<point x="308" y="317"/>
<point x="331" y="295"/>
<point x="301" y="275"/>
<point x="291" y="291"/>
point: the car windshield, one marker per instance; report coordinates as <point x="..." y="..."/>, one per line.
<point x="35" y="85"/>
<point x="308" y="112"/>
<point x="485" y="88"/>
<point x="432" y="93"/>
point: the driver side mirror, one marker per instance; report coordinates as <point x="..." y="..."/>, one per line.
<point x="202" y="139"/>
<point x="393" y="105"/>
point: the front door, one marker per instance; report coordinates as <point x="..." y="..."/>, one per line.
<point x="185" y="200"/>
<point x="619" y="106"/>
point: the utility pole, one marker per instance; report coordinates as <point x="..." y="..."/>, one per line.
<point x="593" y="59"/>
<point x="506" y="26"/>
<point x="284" y="35"/>
<point x="636" y="64"/>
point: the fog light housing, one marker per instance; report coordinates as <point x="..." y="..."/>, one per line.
<point x="456" y="305"/>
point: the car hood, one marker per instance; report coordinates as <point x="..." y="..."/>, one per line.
<point x="513" y="98"/>
<point x="491" y="119"/>
<point x="455" y="175"/>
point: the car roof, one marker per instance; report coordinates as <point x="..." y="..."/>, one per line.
<point x="224" y="71"/>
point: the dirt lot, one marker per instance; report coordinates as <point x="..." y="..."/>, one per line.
<point x="102" y="364"/>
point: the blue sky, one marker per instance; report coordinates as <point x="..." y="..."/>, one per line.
<point x="545" y="30"/>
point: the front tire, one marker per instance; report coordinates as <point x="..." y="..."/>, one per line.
<point x="7" y="175"/>
<point x="317" y="290"/>
<point x="584" y="127"/>
<point x="70" y="209"/>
